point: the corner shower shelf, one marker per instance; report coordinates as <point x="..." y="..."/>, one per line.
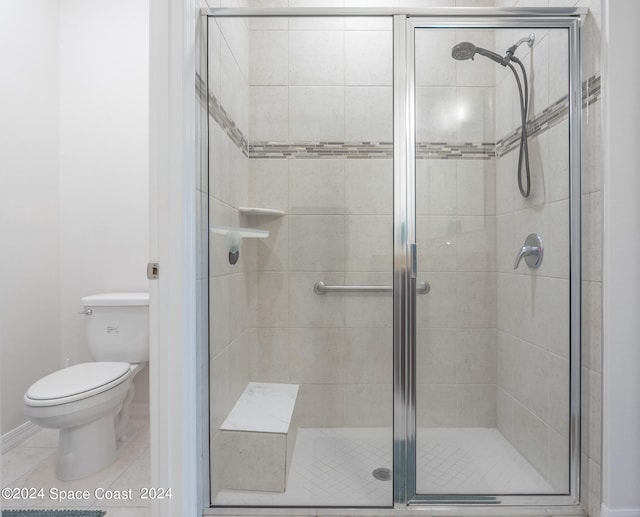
<point x="251" y="210"/>
<point x="240" y="233"/>
<point x="234" y="238"/>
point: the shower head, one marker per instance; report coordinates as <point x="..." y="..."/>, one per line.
<point x="465" y="50"/>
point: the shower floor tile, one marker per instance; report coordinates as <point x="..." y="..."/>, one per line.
<point x="334" y="466"/>
<point x="473" y="461"/>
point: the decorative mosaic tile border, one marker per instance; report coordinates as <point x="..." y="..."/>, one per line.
<point x="223" y="119"/>
<point x="302" y="150"/>
<point x="548" y="118"/>
<point x="449" y="151"/>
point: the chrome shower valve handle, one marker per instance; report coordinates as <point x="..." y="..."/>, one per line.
<point x="532" y="252"/>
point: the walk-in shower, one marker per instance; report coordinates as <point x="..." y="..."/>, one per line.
<point x="372" y="344"/>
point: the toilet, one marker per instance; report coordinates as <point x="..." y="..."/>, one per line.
<point x="89" y="402"/>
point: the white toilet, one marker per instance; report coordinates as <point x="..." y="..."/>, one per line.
<point x="89" y="402"/>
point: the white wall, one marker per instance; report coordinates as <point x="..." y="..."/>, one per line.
<point x="104" y="188"/>
<point x="621" y="297"/>
<point x="29" y="201"/>
<point x="74" y="177"/>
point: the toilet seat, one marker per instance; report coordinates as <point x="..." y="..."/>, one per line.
<point x="77" y="382"/>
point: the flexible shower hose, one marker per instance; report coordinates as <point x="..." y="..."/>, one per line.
<point x="523" y="156"/>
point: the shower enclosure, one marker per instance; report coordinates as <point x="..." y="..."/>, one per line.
<point x="394" y="257"/>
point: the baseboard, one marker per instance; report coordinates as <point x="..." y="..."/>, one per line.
<point x="18" y="435"/>
<point x="624" y="512"/>
<point x="139" y="410"/>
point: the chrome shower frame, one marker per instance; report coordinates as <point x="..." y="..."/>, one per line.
<point x="405" y="23"/>
<point x="571" y="23"/>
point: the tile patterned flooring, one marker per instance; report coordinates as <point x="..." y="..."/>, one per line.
<point x="333" y="467"/>
<point x="32" y="465"/>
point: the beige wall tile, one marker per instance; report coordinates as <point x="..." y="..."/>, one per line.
<point x="438" y="309"/>
<point x="436" y="356"/>
<point x="307" y="309"/>
<point x="475" y="111"/>
<point x="316" y="243"/>
<point x="369" y="355"/>
<point x="476" y="249"/>
<point x="321" y="405"/>
<point x="368" y="58"/>
<point x="506" y="348"/>
<point x="476" y="187"/>
<point x="269" y="113"/>
<point x="368" y="113"/>
<point x="316" y="57"/>
<point x="477" y="356"/>
<point x="431" y="68"/>
<point x="220" y="330"/>
<point x="239" y="366"/>
<point x="316" y="113"/>
<point x="269" y="355"/>
<point x="477" y="405"/>
<point x="437" y="240"/>
<point x="316" y="186"/>
<point x="272" y="252"/>
<point x="273" y="299"/>
<point x="220" y="402"/>
<point x="368" y="309"/>
<point x="269" y="183"/>
<point x="436" y="110"/>
<point x="269" y="63"/>
<point x="504" y="413"/>
<point x="369" y="243"/>
<point x="558" y="464"/>
<point x="592" y="325"/>
<point x="377" y="198"/>
<point x="559" y="410"/>
<point x="531" y="438"/>
<point x="317" y="356"/>
<point x="532" y="379"/>
<point x="368" y="405"/>
<point x="592" y="237"/>
<point x="476" y="299"/>
<point x="436" y="187"/>
<point x="437" y="405"/>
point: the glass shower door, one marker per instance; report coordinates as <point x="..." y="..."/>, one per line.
<point x="300" y="203"/>
<point x="493" y="344"/>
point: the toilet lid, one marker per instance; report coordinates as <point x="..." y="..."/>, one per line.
<point x="77" y="382"/>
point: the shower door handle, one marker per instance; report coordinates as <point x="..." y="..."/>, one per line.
<point x="322" y="288"/>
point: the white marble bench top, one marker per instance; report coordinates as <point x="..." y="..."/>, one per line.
<point x="264" y="407"/>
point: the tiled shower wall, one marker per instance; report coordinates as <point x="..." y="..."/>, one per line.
<point x="591" y="428"/>
<point x="316" y="84"/>
<point x="232" y="288"/>
<point x="532" y="398"/>
<point x="330" y="81"/>
<point x="455" y="224"/>
<point x="533" y="305"/>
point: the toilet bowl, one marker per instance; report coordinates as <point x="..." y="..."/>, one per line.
<point x="89" y="402"/>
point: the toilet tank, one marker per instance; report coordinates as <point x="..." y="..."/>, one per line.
<point x="118" y="326"/>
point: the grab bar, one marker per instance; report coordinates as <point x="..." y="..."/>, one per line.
<point x="322" y="288"/>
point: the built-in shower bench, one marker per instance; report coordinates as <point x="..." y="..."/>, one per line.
<point x="258" y="438"/>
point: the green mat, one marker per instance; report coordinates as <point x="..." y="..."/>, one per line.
<point x="52" y="513"/>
